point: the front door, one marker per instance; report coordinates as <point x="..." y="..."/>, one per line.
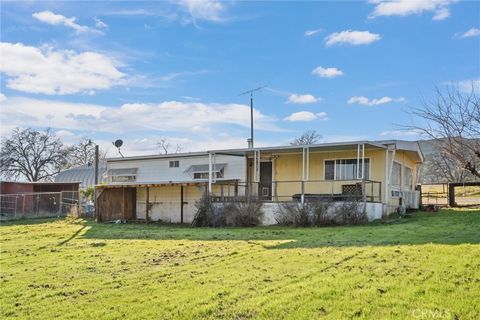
<point x="265" y="184"/>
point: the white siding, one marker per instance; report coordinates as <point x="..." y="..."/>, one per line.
<point x="158" y="170"/>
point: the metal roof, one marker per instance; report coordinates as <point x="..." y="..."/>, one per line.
<point x="84" y="174"/>
<point x="411" y="146"/>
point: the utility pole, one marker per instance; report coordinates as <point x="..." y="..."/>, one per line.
<point x="251" y="112"/>
<point x="96" y="164"/>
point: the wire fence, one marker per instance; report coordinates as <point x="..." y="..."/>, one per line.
<point x="38" y="205"/>
<point x="438" y="194"/>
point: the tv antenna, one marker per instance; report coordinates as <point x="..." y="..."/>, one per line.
<point x="118" y="143"/>
<point x="251" y="110"/>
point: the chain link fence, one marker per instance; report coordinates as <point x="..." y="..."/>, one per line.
<point x="38" y="205"/>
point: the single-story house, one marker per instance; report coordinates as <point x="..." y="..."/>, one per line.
<point x="166" y="187"/>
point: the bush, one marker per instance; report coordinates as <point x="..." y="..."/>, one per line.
<point x="236" y="213"/>
<point x="351" y="212"/>
<point x="247" y="213"/>
<point x="207" y="214"/>
<point x="320" y="213"/>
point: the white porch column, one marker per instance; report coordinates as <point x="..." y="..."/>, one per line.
<point x="386" y="176"/>
<point x="360" y="150"/>
<point x="209" y="173"/>
<point x="303" y="164"/>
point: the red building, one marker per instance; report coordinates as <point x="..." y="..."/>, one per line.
<point x="25" y="198"/>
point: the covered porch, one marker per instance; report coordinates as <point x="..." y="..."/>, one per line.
<point x="169" y="202"/>
<point x="325" y="172"/>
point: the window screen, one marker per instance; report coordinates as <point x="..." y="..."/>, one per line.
<point x="174" y="164"/>
<point x="345" y="169"/>
<point x="397" y="174"/>
<point x="329" y="169"/>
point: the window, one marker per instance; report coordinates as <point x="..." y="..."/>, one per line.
<point x="395" y="193"/>
<point x="345" y="169"/>
<point x="397" y="174"/>
<point x="123" y="178"/>
<point x="408" y="177"/>
<point x="123" y="175"/>
<point x="174" y="164"/>
<point x="200" y="171"/>
<point x="330" y="170"/>
<point x="204" y="175"/>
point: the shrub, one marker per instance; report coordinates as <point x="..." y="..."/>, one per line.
<point x="207" y="214"/>
<point x="243" y="213"/>
<point x="236" y="213"/>
<point x="351" y="212"/>
<point x="320" y="213"/>
<point x="294" y="214"/>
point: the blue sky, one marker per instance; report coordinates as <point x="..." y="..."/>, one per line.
<point x="142" y="71"/>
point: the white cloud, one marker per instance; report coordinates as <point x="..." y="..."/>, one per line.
<point x="441" y="14"/>
<point x="302" y="98"/>
<point x="2" y="97"/>
<point x="57" y="19"/>
<point x="372" y="102"/>
<point x="306" y="116"/>
<point x="473" y="32"/>
<point x="400" y="133"/>
<point x="467" y="85"/>
<point x="131" y="117"/>
<point x="99" y="24"/>
<point x="208" y="10"/>
<point x="352" y="37"/>
<point x="440" y="8"/>
<point x="327" y="72"/>
<point x="48" y="71"/>
<point x="309" y="33"/>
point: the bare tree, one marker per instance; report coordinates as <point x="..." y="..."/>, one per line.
<point x="308" y="137"/>
<point x="166" y="147"/>
<point x="32" y="155"/>
<point x="440" y="167"/>
<point x="83" y="153"/>
<point x="452" y="120"/>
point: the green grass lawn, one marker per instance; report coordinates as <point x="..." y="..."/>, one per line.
<point x="412" y="268"/>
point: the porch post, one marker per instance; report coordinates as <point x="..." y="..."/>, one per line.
<point x="209" y="173"/>
<point x="303" y="163"/>
<point x="214" y="171"/>
<point x="358" y="161"/>
<point x="302" y="198"/>
<point x="181" y="203"/>
<point x="386" y="176"/>
<point x="308" y="164"/>
<point x="147" y="205"/>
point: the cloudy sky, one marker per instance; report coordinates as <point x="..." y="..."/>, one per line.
<point x="142" y="71"/>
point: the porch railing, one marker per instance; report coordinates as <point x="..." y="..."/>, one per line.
<point x="301" y="191"/>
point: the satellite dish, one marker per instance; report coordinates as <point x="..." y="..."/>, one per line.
<point x="118" y="143"/>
